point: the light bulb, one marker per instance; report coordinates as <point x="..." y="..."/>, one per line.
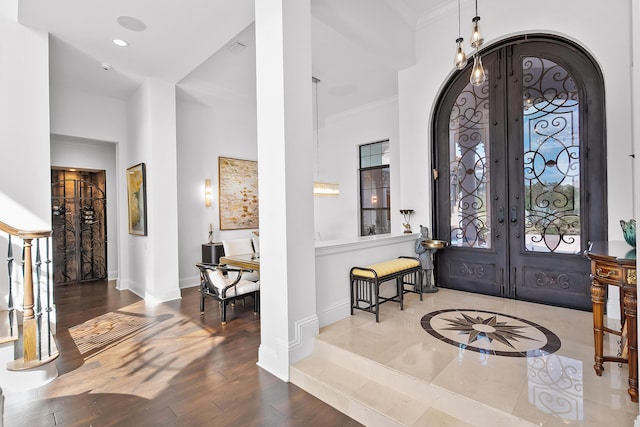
<point x="476" y="39"/>
<point x="460" y="60"/>
<point x="478" y="75"/>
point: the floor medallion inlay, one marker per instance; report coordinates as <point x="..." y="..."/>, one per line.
<point x="490" y="332"/>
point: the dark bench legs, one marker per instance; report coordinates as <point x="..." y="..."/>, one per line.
<point x="367" y="291"/>
<point x="400" y="291"/>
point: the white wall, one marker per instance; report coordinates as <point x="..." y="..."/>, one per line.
<point x="337" y="218"/>
<point x="90" y="131"/>
<point x="205" y="133"/>
<point x="635" y="25"/>
<point x="25" y="190"/>
<point x="610" y="45"/>
<point x="25" y="180"/>
<point x="76" y="113"/>
<point x="333" y="264"/>
<point x="72" y="152"/>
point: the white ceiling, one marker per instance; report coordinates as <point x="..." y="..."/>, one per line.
<point x="358" y="46"/>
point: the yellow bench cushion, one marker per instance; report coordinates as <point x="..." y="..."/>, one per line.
<point x="386" y="268"/>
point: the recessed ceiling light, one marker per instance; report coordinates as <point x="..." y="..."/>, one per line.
<point x="131" y="23"/>
<point x="120" y="42"/>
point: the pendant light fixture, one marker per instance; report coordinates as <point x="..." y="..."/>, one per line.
<point x="476" y="39"/>
<point x="478" y="75"/>
<point x="321" y="189"/>
<point x="460" y="60"/>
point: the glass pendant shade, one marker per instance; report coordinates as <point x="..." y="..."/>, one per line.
<point x="460" y="60"/>
<point x="476" y="37"/>
<point x="478" y="75"/>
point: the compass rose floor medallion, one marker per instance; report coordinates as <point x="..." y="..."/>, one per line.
<point x="490" y="332"/>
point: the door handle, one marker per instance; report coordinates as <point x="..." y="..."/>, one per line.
<point x="514" y="215"/>
<point x="501" y="215"/>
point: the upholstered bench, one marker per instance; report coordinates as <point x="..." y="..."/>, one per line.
<point x="366" y="281"/>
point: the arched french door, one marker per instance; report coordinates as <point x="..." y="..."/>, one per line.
<point x="521" y="186"/>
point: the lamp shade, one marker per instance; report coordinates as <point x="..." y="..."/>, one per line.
<point x="478" y="76"/>
<point x="460" y="60"/>
<point x="476" y="39"/>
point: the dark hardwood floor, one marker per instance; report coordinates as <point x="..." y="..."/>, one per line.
<point x="126" y="363"/>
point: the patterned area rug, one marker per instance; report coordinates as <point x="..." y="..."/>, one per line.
<point x="490" y="332"/>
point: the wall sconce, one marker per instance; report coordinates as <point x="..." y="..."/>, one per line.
<point x="208" y="192"/>
<point x="325" y="189"/>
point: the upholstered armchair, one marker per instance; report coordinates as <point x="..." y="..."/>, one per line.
<point x="215" y="283"/>
<point x="240" y="247"/>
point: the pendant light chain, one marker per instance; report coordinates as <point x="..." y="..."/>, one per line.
<point x="459" y="17"/>
<point x="478" y="75"/>
<point x="460" y="59"/>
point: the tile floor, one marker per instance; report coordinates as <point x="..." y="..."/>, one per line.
<point x="529" y="360"/>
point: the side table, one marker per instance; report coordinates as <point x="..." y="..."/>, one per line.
<point x="614" y="264"/>
<point x="211" y="253"/>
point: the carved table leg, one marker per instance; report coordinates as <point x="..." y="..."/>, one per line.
<point x="630" y="311"/>
<point x="598" y="293"/>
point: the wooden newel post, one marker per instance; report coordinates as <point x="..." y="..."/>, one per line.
<point x="29" y="324"/>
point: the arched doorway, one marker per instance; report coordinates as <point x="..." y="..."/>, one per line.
<point x="522" y="173"/>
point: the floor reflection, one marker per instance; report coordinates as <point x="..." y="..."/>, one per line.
<point x="556" y="386"/>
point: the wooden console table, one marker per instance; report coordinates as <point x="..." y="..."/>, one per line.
<point x="614" y="264"/>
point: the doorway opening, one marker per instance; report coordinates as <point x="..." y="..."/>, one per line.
<point x="78" y="206"/>
<point x="522" y="173"/>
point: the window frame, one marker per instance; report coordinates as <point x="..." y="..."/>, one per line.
<point x="372" y="161"/>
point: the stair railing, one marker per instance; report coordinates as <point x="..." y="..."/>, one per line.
<point x="35" y="332"/>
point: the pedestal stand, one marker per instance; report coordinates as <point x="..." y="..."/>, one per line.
<point x="425" y="248"/>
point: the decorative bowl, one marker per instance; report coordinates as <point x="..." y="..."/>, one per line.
<point x="434" y="244"/>
<point x="629" y="231"/>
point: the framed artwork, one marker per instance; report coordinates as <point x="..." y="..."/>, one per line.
<point x="137" y="192"/>
<point x="237" y="193"/>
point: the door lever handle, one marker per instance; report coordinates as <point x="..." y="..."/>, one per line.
<point x="501" y="215"/>
<point x="514" y="215"/>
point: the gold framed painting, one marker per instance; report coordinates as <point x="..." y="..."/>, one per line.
<point x="137" y="192"/>
<point x="237" y="193"/>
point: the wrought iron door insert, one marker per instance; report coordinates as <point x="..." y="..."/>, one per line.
<point x="78" y="201"/>
<point x="518" y="158"/>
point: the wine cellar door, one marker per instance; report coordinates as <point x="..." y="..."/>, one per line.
<point x="78" y="202"/>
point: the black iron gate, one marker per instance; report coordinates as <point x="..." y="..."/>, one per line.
<point x="78" y="201"/>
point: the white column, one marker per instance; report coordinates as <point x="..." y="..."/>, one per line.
<point x="285" y="156"/>
<point x="152" y="261"/>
